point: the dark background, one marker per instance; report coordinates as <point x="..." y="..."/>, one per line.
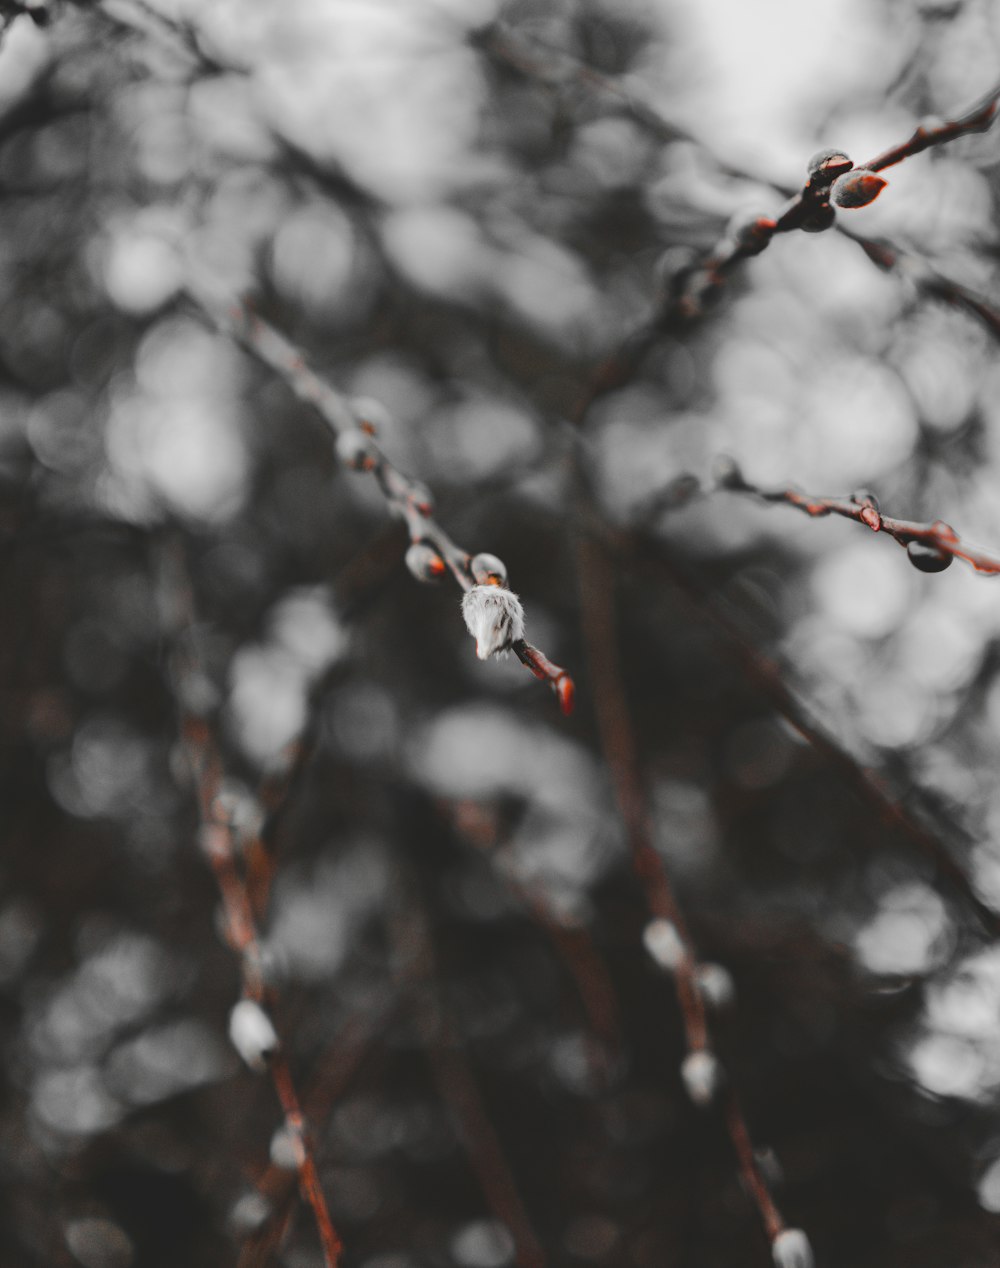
<point x="464" y="244"/>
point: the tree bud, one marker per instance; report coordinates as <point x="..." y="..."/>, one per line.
<point x="371" y="414"/>
<point x="488" y="570"/>
<point x="817" y="218"/>
<point x="791" y="1249"/>
<point x="727" y="474"/>
<point x="751" y="233"/>
<point x="715" y="984"/>
<point x="425" y="563"/>
<point x="928" y="558"/>
<point x="664" y="944"/>
<point x="286" y="1147"/>
<point x="252" y="1034"/>
<point x="865" y="497"/>
<point x="825" y="166"/>
<point x="355" y="450"/>
<point x="870" y="513"/>
<point x="495" y="619"/>
<point x="857" y="188"/>
<point x="702" y="1075"/>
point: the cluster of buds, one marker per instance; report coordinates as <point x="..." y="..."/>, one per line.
<point x="929" y="547"/>
<point x="833" y="181"/>
<point x="667" y="949"/>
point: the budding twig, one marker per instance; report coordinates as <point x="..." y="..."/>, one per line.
<point x="931" y="547"/>
<point x="976" y="118"/>
<point x="432" y="553"/>
<point x="701" y="1072"/>
<point x="808" y="209"/>
<point x="907" y="808"/>
<point x="251" y="1028"/>
<point x="415" y="966"/>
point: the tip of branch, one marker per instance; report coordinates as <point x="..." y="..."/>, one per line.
<point x="565" y="690"/>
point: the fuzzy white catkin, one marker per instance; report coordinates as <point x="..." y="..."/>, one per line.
<point x="715" y="984"/>
<point x="702" y="1075"/>
<point x="252" y="1033"/>
<point x="286" y="1148"/>
<point x="495" y="619"/>
<point x="791" y="1249"/>
<point x="663" y="943"/>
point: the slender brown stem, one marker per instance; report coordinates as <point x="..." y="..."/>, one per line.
<point x="976" y="118"/>
<point x="907" y="810"/>
<point x="241" y="930"/>
<point x="405" y="497"/>
<point x="596" y="579"/>
<point x="414" y="958"/>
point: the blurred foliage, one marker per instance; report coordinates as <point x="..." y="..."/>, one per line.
<point x="464" y="244"/>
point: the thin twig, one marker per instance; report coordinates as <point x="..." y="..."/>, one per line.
<point x="976" y="118"/>
<point x="931" y="545"/>
<point x="908" y="809"/>
<point x="217" y="834"/>
<point x="808" y="208"/>
<point x="414" y="961"/>
<point x="596" y="580"/>
<point x="356" y="447"/>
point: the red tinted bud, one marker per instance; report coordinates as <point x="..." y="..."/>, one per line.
<point x="751" y="233"/>
<point x="424" y="562"/>
<point x="869" y="508"/>
<point x="944" y="532"/>
<point x="928" y="558"/>
<point x="827" y="165"/>
<point x="858" y="188"/>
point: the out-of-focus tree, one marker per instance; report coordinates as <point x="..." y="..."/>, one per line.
<point x="322" y="938"/>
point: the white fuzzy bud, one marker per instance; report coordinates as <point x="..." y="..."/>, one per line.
<point x="286" y="1148"/>
<point x="664" y="944"/>
<point x="488" y="570"/>
<point x="356" y="449"/>
<point x="791" y="1249"/>
<point x="248" y="1213"/>
<point x="495" y="619"/>
<point x="252" y="1033"/>
<point x="424" y="562"/>
<point x="370" y="413"/>
<point x="702" y="1075"/>
<point x="715" y="984"/>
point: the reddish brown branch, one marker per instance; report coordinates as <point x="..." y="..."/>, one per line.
<point x="809" y="208"/>
<point x="218" y="842"/>
<point x="907" y="809"/>
<point x="976" y="118"/>
<point x="357" y="449"/>
<point x="596" y="579"/>
<point x="931" y="546"/>
<point x="927" y="280"/>
<point x="414" y="960"/>
<point x="572" y="941"/>
<point x="326" y="1086"/>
